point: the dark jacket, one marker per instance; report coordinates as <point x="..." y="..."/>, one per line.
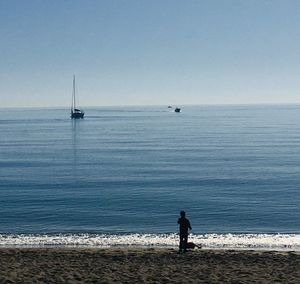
<point x="184" y="225"/>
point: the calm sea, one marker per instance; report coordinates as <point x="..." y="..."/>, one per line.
<point x="122" y="174"/>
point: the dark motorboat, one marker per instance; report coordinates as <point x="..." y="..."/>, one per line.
<point x="75" y="112"/>
<point x="169" y="107"/>
<point x="177" y="109"/>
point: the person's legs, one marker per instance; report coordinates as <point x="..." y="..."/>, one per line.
<point x="185" y="240"/>
<point x="181" y="241"/>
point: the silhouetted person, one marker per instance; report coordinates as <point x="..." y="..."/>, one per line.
<point x="184" y="226"/>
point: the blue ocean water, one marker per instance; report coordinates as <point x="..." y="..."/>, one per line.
<point x="125" y="171"/>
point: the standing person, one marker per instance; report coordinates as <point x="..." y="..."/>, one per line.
<point x="184" y="226"/>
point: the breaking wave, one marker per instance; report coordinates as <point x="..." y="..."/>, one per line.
<point x="208" y="241"/>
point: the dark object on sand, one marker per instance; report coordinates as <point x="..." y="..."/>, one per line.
<point x="177" y="109"/>
<point x="191" y="245"/>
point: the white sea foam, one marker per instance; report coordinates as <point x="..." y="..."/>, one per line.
<point x="208" y="241"/>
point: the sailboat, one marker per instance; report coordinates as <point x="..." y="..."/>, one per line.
<point x="75" y="112"/>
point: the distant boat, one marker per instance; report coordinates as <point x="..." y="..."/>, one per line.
<point x="75" y="112"/>
<point x="169" y="107"/>
<point x="177" y="109"/>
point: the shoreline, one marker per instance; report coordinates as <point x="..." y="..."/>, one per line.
<point x="146" y="265"/>
<point x="145" y="247"/>
<point x="268" y="242"/>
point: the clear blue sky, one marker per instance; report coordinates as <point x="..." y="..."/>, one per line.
<point x="138" y="52"/>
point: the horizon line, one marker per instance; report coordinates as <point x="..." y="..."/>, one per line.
<point x="157" y="105"/>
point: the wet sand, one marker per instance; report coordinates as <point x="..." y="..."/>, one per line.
<point x="117" y="265"/>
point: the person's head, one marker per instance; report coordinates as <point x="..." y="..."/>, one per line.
<point x="182" y="213"/>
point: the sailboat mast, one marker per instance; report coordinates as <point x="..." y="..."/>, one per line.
<point x="75" y="113"/>
<point x="74" y="98"/>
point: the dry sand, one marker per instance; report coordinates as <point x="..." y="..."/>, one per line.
<point x="57" y="265"/>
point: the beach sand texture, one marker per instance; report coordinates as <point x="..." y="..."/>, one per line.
<point x="118" y="265"/>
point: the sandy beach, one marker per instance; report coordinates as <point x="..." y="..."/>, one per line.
<point x="118" y="265"/>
